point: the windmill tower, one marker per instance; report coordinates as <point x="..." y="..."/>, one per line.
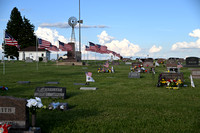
<point x="72" y="21"/>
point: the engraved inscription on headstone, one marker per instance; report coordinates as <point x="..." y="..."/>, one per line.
<point x="14" y="111"/>
<point x="50" y="91"/>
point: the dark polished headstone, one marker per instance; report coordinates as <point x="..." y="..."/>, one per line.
<point x="50" y="91"/>
<point x="192" y="62"/>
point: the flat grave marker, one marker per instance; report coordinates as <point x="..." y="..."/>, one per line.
<point x="52" y="82"/>
<point x="88" y="88"/>
<point x="23" y="82"/>
<point x="50" y="91"/>
<point x="134" y="75"/>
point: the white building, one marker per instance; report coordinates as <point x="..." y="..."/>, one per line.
<point x="32" y="53"/>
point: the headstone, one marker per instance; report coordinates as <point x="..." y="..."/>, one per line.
<point x="128" y="63"/>
<point x="13" y="111"/>
<point x="134" y="75"/>
<point x="50" y="91"/>
<point x="28" y="60"/>
<point x="23" y="82"/>
<point x="173" y="69"/>
<point x="53" y="60"/>
<point x="79" y="83"/>
<point x="148" y="64"/>
<point x="196" y="73"/>
<point x="52" y="82"/>
<point x="192" y="62"/>
<point x="168" y="75"/>
<point x="44" y="59"/>
<point x="88" y="88"/>
<point x="136" y="64"/>
<point x="171" y="63"/>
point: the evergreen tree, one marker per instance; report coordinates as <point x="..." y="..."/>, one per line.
<point x="14" y="27"/>
<point x="21" y="30"/>
<point x="28" y="38"/>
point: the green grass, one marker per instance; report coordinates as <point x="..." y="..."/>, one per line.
<point x="119" y="105"/>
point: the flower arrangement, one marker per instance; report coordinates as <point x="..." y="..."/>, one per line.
<point x="4" y="128"/>
<point x="171" y="83"/>
<point x="4" y="88"/>
<point x="33" y="104"/>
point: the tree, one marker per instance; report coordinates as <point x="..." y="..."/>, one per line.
<point x="21" y="30"/>
<point x="14" y="27"/>
<point x="28" y="38"/>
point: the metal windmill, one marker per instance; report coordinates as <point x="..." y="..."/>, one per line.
<point x="72" y="21"/>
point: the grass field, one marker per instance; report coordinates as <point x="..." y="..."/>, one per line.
<point x="119" y="105"/>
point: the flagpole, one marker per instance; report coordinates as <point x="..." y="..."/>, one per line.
<point x="4" y="68"/>
<point x="36" y="53"/>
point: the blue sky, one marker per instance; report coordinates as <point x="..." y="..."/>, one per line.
<point x="133" y="28"/>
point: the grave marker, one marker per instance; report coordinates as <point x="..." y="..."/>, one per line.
<point x="50" y="91"/>
<point x="192" y="62"/>
<point x="134" y="75"/>
<point x="13" y="111"/>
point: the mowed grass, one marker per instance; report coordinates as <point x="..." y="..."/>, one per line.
<point x="119" y="105"/>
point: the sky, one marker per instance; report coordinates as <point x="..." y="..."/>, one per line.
<point x="133" y="28"/>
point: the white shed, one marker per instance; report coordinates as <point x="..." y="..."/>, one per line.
<point x="32" y="53"/>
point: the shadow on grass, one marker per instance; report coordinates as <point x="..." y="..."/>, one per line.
<point x="46" y="119"/>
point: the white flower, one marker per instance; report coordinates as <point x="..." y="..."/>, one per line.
<point x="39" y="104"/>
<point x="62" y="107"/>
<point x="38" y="99"/>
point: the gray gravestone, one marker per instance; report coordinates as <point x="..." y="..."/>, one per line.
<point x="52" y="82"/>
<point x="14" y="111"/>
<point x="23" y="82"/>
<point x="134" y="75"/>
<point x="196" y="73"/>
<point x="128" y="63"/>
<point x="192" y="62"/>
<point x="50" y="91"/>
<point x="28" y="60"/>
<point x="88" y="88"/>
<point x="148" y="64"/>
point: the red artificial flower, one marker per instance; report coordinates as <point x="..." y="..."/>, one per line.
<point x="174" y="80"/>
<point x="145" y="70"/>
<point x="5" y="128"/>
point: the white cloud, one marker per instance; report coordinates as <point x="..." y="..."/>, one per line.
<point x="50" y="35"/>
<point x="124" y="47"/>
<point x="66" y="25"/>
<point x="188" y="45"/>
<point x="155" y="49"/>
<point x="104" y="38"/>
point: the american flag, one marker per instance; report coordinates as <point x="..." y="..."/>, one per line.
<point x="103" y="49"/>
<point x="9" y="40"/>
<point x="53" y="48"/>
<point x="65" y="47"/>
<point x="87" y="48"/>
<point x="179" y="66"/>
<point x="89" y="74"/>
<point x="93" y="47"/>
<point x="43" y="44"/>
<point x="106" y="65"/>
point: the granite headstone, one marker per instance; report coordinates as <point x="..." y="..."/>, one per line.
<point x="13" y="111"/>
<point x="50" y="91"/>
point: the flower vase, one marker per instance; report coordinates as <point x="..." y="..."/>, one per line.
<point x="33" y="120"/>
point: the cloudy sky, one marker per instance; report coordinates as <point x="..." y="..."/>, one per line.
<point x="133" y="28"/>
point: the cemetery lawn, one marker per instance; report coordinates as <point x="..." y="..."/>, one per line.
<point x="120" y="104"/>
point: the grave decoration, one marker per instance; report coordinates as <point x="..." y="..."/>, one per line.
<point x="33" y="105"/>
<point x="58" y="106"/>
<point x="89" y="78"/>
<point x="170" y="80"/>
<point x="105" y="69"/>
<point x="3" y="88"/>
<point x="4" y="128"/>
<point x="138" y="68"/>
